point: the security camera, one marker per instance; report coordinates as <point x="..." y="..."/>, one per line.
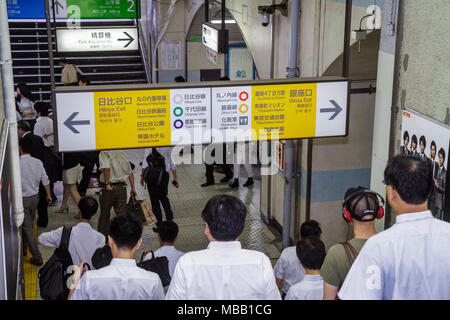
<point x="265" y="19"/>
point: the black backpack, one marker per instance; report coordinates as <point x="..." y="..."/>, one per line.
<point x="54" y="274"/>
<point x="158" y="265"/>
<point x="156" y="168"/>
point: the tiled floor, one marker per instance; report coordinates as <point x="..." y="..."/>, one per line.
<point x="187" y="203"/>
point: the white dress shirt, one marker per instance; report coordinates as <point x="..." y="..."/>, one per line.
<point x="121" y="280"/>
<point x="224" y="271"/>
<point x="289" y="269"/>
<point x="409" y="261"/>
<point x="310" y="288"/>
<point x="84" y="240"/>
<point x="119" y="164"/>
<point x="25" y="105"/>
<point x="43" y="126"/>
<point x="172" y="254"/>
<point x="32" y="172"/>
<point x="166" y="152"/>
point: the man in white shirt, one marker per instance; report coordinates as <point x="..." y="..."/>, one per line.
<point x="410" y="260"/>
<point x="157" y="180"/>
<point x="69" y="73"/>
<point x="167" y="235"/>
<point x="116" y="170"/>
<point x="311" y="253"/>
<point x="224" y="271"/>
<point x="44" y="125"/>
<point x="122" y="279"/>
<point x="84" y="240"/>
<point x="288" y="271"/>
<point x="32" y="173"/>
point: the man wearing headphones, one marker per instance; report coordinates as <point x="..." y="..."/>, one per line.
<point x="360" y="209"/>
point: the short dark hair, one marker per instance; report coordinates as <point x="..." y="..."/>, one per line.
<point x="88" y="207"/>
<point x="411" y="177"/>
<point x="26" y="145"/>
<point x="83" y="78"/>
<point x="168" y="231"/>
<point x="225" y="216"/>
<point x="311" y="252"/>
<point x="102" y="257"/>
<point x="126" y="230"/>
<point x="310" y="228"/>
<point x="26" y="91"/>
<point x="63" y="60"/>
<point x="23" y="125"/>
<point x="442" y="151"/>
<point x="433" y="144"/>
<point x="42" y="107"/>
<point x="414" y="139"/>
<point x="405" y="135"/>
<point x="180" y="79"/>
<point x="423" y="140"/>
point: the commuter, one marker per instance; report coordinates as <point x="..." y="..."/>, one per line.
<point x="311" y="253"/>
<point x="83" y="81"/>
<point x="410" y="260"/>
<point x="122" y="279"/>
<point x="116" y="170"/>
<point x="210" y="167"/>
<point x="167" y="235"/>
<point x="32" y="173"/>
<point x="360" y="208"/>
<point x="84" y="240"/>
<point x="288" y="271"/>
<point x="70" y="73"/>
<point x="439" y="186"/>
<point x="40" y="152"/>
<point x="404" y="147"/>
<point x="25" y="104"/>
<point x="72" y="172"/>
<point x="44" y="125"/>
<point x="156" y="176"/>
<point x="239" y="159"/>
<point x="88" y="160"/>
<point x="224" y="271"/>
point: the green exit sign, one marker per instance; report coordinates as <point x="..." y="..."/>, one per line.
<point x="104" y="9"/>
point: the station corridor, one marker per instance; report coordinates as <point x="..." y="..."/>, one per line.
<point x="187" y="203"/>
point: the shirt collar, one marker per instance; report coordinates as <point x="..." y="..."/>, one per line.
<point x="26" y="155"/>
<point x="26" y="133"/>
<point x="84" y="225"/>
<point x="123" y="262"/>
<point x="224" y="245"/>
<point x="406" y="217"/>
<point x="312" y="277"/>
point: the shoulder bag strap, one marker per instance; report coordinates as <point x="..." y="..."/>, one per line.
<point x="350" y="255"/>
<point x="65" y="237"/>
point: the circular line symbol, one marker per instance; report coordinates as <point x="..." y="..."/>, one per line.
<point x="243" y="108"/>
<point x="178" y="98"/>
<point x="178" y="124"/>
<point x="243" y="96"/>
<point x="178" y="111"/>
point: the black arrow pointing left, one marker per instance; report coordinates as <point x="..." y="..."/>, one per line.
<point x="130" y="39"/>
<point x="70" y="123"/>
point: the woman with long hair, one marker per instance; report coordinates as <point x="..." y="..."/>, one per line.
<point x="25" y="104"/>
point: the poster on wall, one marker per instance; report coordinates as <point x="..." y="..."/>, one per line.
<point x="430" y="141"/>
<point x="240" y="63"/>
<point x="171" y="55"/>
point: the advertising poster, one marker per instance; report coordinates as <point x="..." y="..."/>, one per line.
<point x="430" y="141"/>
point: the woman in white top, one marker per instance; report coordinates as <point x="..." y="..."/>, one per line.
<point x="44" y="125"/>
<point x="26" y="104"/>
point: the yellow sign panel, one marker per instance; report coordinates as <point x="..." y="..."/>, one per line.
<point x="287" y="110"/>
<point x="132" y="119"/>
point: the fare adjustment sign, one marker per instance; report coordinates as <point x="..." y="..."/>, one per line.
<point x="200" y="115"/>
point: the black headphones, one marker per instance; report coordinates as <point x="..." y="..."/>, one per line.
<point x="347" y="212"/>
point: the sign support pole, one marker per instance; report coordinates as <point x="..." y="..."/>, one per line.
<point x="50" y="53"/>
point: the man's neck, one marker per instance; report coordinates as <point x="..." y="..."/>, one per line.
<point x="122" y="254"/>
<point x="364" y="230"/>
<point x="84" y="220"/>
<point x="312" y="272"/>
<point x="166" y="244"/>
<point x="405" y="209"/>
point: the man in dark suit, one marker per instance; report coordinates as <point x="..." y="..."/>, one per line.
<point x="439" y="186"/>
<point x="404" y="148"/>
<point x="434" y="162"/>
<point x="413" y="149"/>
<point x="38" y="151"/>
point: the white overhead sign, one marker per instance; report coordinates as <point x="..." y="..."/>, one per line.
<point x="210" y="37"/>
<point x="97" y="39"/>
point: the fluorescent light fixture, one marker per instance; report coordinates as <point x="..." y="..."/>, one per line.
<point x="218" y="21"/>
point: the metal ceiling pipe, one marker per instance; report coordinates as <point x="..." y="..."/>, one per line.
<point x="294" y="15"/>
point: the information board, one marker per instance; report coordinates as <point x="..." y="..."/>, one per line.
<point x="25" y="9"/>
<point x="200" y="115"/>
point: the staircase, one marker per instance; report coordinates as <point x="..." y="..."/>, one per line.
<point x="29" y="48"/>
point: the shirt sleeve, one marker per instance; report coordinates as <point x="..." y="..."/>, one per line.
<point x="172" y="165"/>
<point x="330" y="268"/>
<point x="38" y="130"/>
<point x="158" y="293"/>
<point x="365" y="278"/>
<point x="44" y="177"/>
<point x="271" y="291"/>
<point x="278" y="269"/>
<point x="104" y="160"/>
<point x="52" y="238"/>
<point x="80" y="292"/>
<point x="177" y="287"/>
